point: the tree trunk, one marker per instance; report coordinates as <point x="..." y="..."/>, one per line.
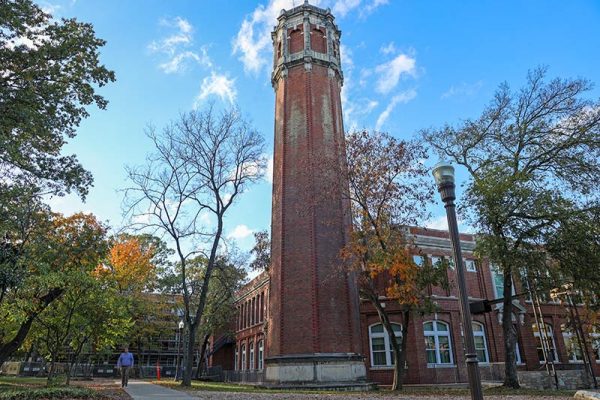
<point x="202" y="355"/>
<point x="511" y="378"/>
<point x="50" y="373"/>
<point x="398" y="354"/>
<point x="189" y="357"/>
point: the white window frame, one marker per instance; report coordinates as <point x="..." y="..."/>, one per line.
<point x="470" y="265"/>
<point x="570" y="338"/>
<point x="550" y="333"/>
<point x="481" y="333"/>
<point x="519" y="360"/>
<point x="251" y="357"/>
<point x="595" y="341"/>
<point x="261" y="354"/>
<point x="236" y="358"/>
<point x="386" y="342"/>
<point x="435" y="260"/>
<point x="436" y="335"/>
<point x="243" y="358"/>
<point x="495" y="270"/>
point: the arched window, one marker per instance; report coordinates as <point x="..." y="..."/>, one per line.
<point x="480" y="343"/>
<point x="549" y="344"/>
<point x="381" y="349"/>
<point x="571" y="344"/>
<point x="236" y="359"/>
<point x="261" y="353"/>
<point x="251" y="366"/>
<point x="437" y="342"/>
<point x="243" y="367"/>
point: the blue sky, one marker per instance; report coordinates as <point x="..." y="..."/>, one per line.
<point x="408" y="65"/>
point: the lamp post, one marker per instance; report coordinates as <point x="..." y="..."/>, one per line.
<point x="443" y="173"/>
<point x="180" y="326"/>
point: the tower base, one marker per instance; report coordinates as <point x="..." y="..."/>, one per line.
<point x="334" y="371"/>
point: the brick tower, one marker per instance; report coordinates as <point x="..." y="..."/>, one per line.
<point x="313" y="326"/>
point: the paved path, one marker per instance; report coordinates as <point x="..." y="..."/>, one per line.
<point x="140" y="390"/>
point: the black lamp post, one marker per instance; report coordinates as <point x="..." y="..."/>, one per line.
<point x="444" y="178"/>
<point x="177" y="372"/>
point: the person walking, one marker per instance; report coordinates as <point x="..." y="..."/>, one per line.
<point x="124" y="363"/>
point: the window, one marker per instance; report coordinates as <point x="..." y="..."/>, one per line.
<point x="437" y="342"/>
<point x="236" y="359"/>
<point x="243" y="367"/>
<point x="571" y="344"/>
<point x="381" y="349"/>
<point x="498" y="281"/>
<point x="261" y="353"/>
<point x="548" y="340"/>
<point x="518" y="358"/>
<point x="480" y="343"/>
<point x="470" y="266"/>
<point x="595" y="338"/>
<point x="450" y="261"/>
<point x="436" y="261"/>
<point x="418" y="260"/>
<point x="251" y="355"/>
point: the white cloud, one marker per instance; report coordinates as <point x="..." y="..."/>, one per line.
<point x="240" y="232"/>
<point x="372" y="6"/>
<point x="176" y="47"/>
<point x="178" y="62"/>
<point x="463" y="90"/>
<point x="391" y="71"/>
<point x="342" y="7"/>
<point x="403" y="97"/>
<point x="389" y="48"/>
<point x="440" y="223"/>
<point x="218" y="85"/>
<point x="269" y="171"/>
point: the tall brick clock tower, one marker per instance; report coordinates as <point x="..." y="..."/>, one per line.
<point x="313" y="331"/>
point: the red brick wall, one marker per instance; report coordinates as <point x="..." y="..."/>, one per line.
<point x="313" y="305"/>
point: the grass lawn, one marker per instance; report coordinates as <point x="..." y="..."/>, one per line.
<point x="416" y="391"/>
<point x="18" y="388"/>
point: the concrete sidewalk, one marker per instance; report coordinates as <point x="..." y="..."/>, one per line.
<point x="140" y="390"/>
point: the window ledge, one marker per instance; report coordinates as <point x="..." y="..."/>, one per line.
<point x="441" y="365"/>
<point x="575" y="361"/>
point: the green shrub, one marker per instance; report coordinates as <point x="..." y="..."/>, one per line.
<point x="49" y="393"/>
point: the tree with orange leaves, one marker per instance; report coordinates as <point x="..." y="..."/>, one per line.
<point x="389" y="191"/>
<point x="129" y="264"/>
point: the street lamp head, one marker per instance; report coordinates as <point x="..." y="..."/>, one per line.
<point x="443" y="173"/>
<point x="181" y="324"/>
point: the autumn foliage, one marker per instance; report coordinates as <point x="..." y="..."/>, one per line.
<point x="129" y="264"/>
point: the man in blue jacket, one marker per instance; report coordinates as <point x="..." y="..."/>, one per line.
<point x="125" y="363"/>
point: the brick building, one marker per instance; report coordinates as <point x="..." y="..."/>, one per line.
<point x="435" y="343"/>
<point x="302" y="322"/>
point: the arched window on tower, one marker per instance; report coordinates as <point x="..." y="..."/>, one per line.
<point x="251" y="351"/>
<point x="296" y="40"/>
<point x="318" y="41"/>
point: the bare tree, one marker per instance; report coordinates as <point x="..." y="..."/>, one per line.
<point x="203" y="161"/>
